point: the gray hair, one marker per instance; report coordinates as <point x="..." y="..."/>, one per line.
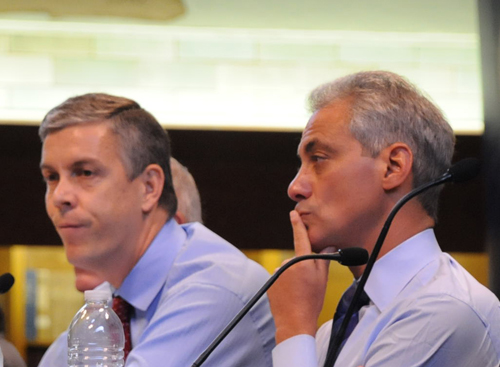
<point x="188" y="197"/>
<point x="142" y="139"/>
<point x="386" y="109"/>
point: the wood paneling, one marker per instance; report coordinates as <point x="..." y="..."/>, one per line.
<point x="242" y="178"/>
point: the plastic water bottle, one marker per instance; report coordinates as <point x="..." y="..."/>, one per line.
<point x="95" y="336"/>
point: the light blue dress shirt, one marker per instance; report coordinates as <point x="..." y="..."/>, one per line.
<point x="425" y="310"/>
<point x="185" y="289"/>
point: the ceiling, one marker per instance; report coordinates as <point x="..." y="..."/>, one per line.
<point x="429" y="16"/>
<point x="448" y="16"/>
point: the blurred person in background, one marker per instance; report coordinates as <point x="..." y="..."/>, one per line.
<point x="188" y="196"/>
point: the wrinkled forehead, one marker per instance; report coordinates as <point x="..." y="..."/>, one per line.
<point x="325" y="126"/>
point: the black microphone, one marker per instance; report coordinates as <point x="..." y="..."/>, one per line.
<point x="6" y="282"/>
<point x="349" y="257"/>
<point x="462" y="171"/>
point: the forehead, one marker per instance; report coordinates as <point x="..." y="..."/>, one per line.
<point x="326" y="126"/>
<point x="79" y="142"/>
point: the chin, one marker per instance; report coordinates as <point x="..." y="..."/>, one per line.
<point x="84" y="284"/>
<point x="76" y="257"/>
<point x="318" y="246"/>
<point x="319" y="243"/>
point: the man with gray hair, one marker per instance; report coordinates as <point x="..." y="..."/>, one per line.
<point x="371" y="139"/>
<point x="188" y="197"/>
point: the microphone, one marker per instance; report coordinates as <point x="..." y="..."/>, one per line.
<point x="464" y="170"/>
<point x="6" y="282"/>
<point x="350" y="257"/>
<point x="461" y="171"/>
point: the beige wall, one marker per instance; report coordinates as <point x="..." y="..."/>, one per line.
<point x="235" y="77"/>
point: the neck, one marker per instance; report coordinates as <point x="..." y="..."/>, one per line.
<point x="409" y="221"/>
<point x="153" y="222"/>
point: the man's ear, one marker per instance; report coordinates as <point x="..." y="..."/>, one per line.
<point x="153" y="180"/>
<point x="398" y="161"/>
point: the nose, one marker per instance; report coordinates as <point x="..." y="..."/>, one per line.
<point x="62" y="195"/>
<point x="300" y="187"/>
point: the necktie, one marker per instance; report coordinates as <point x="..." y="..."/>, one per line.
<point x="341" y="311"/>
<point x="124" y="311"/>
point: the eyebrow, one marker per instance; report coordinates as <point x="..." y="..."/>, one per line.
<point x="77" y="164"/>
<point x="311" y="145"/>
<point x="308" y="148"/>
<point x="315" y="144"/>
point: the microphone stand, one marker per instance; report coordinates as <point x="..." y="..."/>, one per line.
<point x="335" y="256"/>
<point x="336" y="340"/>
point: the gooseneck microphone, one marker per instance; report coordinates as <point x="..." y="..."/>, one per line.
<point x="462" y="171"/>
<point x="348" y="257"/>
<point x="6" y="282"/>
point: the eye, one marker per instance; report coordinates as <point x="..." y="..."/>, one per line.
<point x="317" y="158"/>
<point x="80" y="172"/>
<point x="50" y="177"/>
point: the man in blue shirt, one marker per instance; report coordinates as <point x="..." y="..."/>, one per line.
<point x="371" y="139"/>
<point x="188" y="210"/>
<point x="110" y="196"/>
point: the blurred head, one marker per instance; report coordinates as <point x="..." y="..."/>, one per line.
<point x="188" y="197"/>
<point x="386" y="108"/>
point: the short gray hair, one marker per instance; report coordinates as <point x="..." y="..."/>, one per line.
<point x="386" y="109"/>
<point x="142" y="139"/>
<point x="188" y="197"/>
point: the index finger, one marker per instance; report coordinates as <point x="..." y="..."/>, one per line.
<point x="300" y="237"/>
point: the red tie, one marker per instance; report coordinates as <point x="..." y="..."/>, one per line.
<point x="124" y="310"/>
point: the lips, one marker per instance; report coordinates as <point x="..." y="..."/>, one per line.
<point x="302" y="212"/>
<point x="67" y="232"/>
<point x="305" y="218"/>
<point x="68" y="225"/>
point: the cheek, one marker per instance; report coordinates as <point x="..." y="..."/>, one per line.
<point x="349" y="195"/>
<point x="49" y="208"/>
<point x="121" y="206"/>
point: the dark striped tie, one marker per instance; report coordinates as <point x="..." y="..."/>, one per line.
<point x="124" y="311"/>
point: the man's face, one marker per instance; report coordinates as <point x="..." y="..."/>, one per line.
<point x="93" y="205"/>
<point x="337" y="188"/>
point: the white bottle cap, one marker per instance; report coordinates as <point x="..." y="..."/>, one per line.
<point x="97" y="295"/>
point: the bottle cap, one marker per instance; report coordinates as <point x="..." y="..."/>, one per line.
<point x="97" y="295"/>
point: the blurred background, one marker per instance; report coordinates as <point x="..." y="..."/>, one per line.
<point x="228" y="79"/>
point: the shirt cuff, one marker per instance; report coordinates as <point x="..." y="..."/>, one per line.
<point x="297" y="351"/>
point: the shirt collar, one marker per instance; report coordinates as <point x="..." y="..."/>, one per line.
<point x="392" y="272"/>
<point x="148" y="276"/>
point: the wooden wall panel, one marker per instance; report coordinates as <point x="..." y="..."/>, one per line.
<point x="242" y="177"/>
